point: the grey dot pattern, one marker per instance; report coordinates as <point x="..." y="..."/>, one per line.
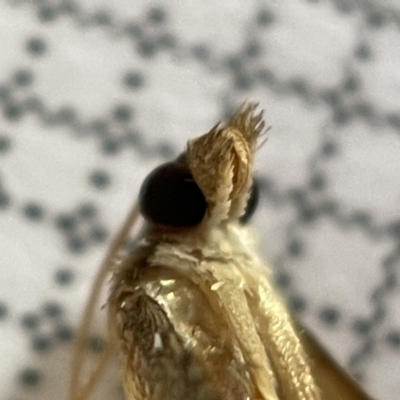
<point x="93" y="97"/>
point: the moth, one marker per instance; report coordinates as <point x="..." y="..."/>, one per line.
<point x="191" y="310"/>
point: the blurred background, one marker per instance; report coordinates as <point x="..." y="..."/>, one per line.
<point x="96" y="93"/>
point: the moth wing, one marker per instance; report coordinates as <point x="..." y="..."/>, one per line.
<point x="333" y="382"/>
<point x="87" y="369"/>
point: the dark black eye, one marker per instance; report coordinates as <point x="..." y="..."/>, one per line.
<point x="170" y="196"/>
<point x="251" y="204"/>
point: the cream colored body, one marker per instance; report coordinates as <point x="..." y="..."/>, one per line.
<point x="191" y="311"/>
<point x="215" y="329"/>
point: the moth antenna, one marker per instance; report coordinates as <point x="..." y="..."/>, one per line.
<point x="84" y="392"/>
<point x="116" y="246"/>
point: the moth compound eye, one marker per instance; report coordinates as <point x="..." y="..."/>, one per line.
<point x="251" y="203"/>
<point x="170" y="196"/>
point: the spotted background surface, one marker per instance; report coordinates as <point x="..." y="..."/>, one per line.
<point x="95" y="93"/>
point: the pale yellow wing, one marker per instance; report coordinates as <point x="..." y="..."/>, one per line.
<point x="85" y="373"/>
<point x="333" y="381"/>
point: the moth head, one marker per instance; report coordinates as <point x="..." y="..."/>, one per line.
<point x="212" y="181"/>
<point x="221" y="162"/>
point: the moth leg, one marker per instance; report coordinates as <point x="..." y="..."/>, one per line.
<point x="234" y="301"/>
<point x="280" y="339"/>
<point x="156" y="362"/>
<point x="79" y="390"/>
